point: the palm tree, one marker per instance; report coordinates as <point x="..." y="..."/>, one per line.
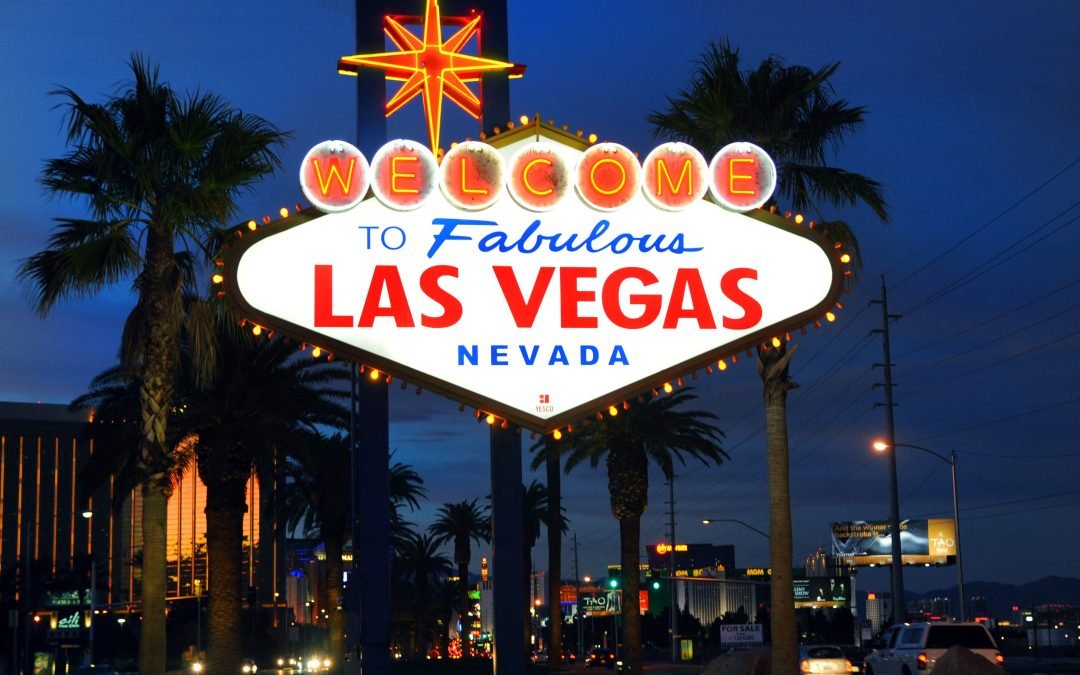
<point x="547" y="453"/>
<point x="461" y="523"/>
<point x="793" y="113"/>
<point x="153" y="166"/>
<point x="319" y="472"/>
<point x="657" y="429"/>
<point x="539" y="511"/>
<point x="420" y="562"/>
<point x="264" y="397"/>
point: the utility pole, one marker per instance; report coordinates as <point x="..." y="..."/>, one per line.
<point x="580" y="619"/>
<point x="897" y="569"/>
<point x="671" y="569"/>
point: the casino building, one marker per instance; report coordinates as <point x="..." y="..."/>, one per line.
<point x="48" y="517"/>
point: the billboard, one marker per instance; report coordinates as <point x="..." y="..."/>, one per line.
<point x="822" y="591"/>
<point x="870" y="541"/>
<point x="540" y="280"/>
<point x="602" y="603"/>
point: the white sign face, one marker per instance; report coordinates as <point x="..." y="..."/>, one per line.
<point x="540" y="317"/>
<point x="740" y="634"/>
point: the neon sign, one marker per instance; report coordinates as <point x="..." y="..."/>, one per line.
<point x="662" y="549"/>
<point x="430" y="67"/>
<point x="404" y="175"/>
<point x="538" y="281"/>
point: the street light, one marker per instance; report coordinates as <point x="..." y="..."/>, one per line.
<point x="88" y="514"/>
<point x="709" y="521"/>
<point x="882" y="446"/>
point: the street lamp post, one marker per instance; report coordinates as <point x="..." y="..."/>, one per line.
<point x="882" y="446"/>
<point x="709" y="521"/>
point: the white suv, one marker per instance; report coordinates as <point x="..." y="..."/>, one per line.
<point x="912" y="649"/>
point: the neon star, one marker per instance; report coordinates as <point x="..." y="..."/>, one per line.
<point x="429" y="67"/>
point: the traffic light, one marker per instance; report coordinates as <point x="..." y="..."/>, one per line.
<point x="613" y="582"/>
<point x="656" y="584"/>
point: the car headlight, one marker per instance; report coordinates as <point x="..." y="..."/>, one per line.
<point x="246" y="669"/>
<point x="196" y="667"/>
<point x="326" y="663"/>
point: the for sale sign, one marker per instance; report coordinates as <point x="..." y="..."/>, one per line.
<point x="740" y="634"/>
<point x="539" y="281"/>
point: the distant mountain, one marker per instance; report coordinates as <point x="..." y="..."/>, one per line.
<point x="1000" y="598"/>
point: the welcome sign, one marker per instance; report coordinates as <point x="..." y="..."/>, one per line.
<point x="533" y="278"/>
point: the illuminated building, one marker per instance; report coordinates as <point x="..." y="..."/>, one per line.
<point x="42" y="457"/>
<point x="875" y="611"/>
<point x="690" y="557"/>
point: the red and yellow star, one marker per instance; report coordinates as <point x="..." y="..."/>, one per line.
<point x="429" y="67"/>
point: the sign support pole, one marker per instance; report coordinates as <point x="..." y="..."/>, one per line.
<point x="368" y="620"/>
<point x="507" y="550"/>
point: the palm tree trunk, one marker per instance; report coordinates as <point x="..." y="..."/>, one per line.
<point x="155" y="399"/>
<point x="630" y="542"/>
<point x="463" y="606"/>
<point x="152" y="630"/>
<point x="334" y="546"/>
<point x="224" y="546"/>
<point x="773" y="367"/>
<point x="554" y="537"/>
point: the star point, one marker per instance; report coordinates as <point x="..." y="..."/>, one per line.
<point x="429" y="67"/>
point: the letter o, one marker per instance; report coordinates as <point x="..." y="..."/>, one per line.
<point x="608" y="176"/>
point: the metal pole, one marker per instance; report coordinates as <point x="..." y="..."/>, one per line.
<point x="671" y="582"/>
<point x="956" y="523"/>
<point x="507" y="551"/>
<point x="93" y="614"/>
<point x="897" y="569"/>
<point x="580" y="618"/>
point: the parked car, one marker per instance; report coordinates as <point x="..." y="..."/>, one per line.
<point x="856" y="655"/>
<point x="95" y="669"/>
<point x="600" y="658"/>
<point x="823" y="659"/>
<point x="915" y="648"/>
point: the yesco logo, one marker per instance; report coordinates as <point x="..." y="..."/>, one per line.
<point x="336" y="176"/>
<point x="535" y="277"/>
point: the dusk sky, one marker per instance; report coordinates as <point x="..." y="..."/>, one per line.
<point x="971" y="127"/>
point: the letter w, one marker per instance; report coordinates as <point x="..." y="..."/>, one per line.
<point x="334" y="174"/>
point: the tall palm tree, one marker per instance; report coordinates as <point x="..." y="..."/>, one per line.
<point x="793" y="113"/>
<point x="461" y="523"/>
<point x="153" y="166"/>
<point x="421" y="563"/>
<point x="656" y="429"/>
<point x="547" y="453"/>
<point x="265" y="396"/>
<point x="538" y="511"/>
<point x="319" y="472"/>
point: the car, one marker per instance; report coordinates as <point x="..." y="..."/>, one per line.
<point x="95" y="669"/>
<point x="915" y="648"/>
<point x="599" y="657"/>
<point x="856" y="655"/>
<point x="248" y="666"/>
<point x="823" y="659"/>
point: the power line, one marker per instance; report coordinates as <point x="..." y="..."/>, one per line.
<point x="999" y="420"/>
<point x="1021" y="329"/>
<point x="1008" y="252"/>
<point x="1011" y="311"/>
<point x="990" y="222"/>
<point x="996" y="363"/>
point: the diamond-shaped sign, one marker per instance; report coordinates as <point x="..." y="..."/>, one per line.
<point x="538" y="316"/>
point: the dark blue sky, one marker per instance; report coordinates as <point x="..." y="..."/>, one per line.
<point x="972" y="107"/>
